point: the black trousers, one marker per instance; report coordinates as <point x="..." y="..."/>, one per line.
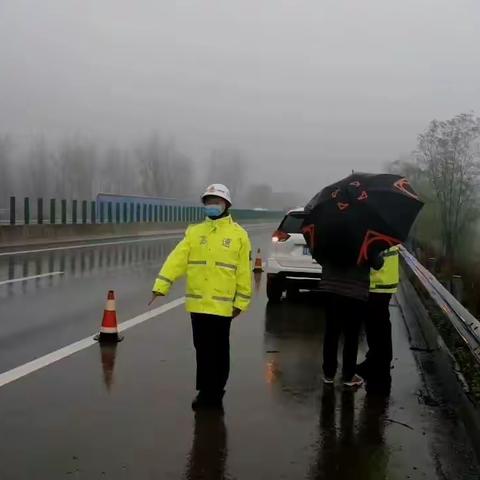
<point x="211" y="338"/>
<point x="379" y="336"/>
<point x="344" y="316"/>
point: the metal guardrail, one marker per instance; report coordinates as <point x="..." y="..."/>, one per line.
<point x="467" y="326"/>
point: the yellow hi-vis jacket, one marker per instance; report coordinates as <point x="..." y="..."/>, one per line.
<point x="216" y="258"/>
<point x="386" y="279"/>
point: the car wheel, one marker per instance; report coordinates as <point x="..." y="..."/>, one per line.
<point x="274" y="289"/>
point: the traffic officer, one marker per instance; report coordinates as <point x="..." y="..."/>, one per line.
<point x="383" y="284"/>
<point x="215" y="256"/>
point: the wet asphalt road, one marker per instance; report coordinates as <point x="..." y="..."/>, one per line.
<point x="124" y="412"/>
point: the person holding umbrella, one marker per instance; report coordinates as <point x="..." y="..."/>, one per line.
<point x="348" y="290"/>
<point x="347" y="227"/>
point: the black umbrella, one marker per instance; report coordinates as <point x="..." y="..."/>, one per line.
<point x="360" y="215"/>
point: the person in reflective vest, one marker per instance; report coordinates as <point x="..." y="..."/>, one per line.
<point x="383" y="284"/>
<point x="215" y="257"/>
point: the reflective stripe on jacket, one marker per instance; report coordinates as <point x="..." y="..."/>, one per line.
<point x="386" y="279"/>
<point x="215" y="256"/>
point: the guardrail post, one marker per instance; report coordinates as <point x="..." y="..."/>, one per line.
<point x="26" y="211"/>
<point x="117" y="212"/>
<point x="74" y="212"/>
<point x="457" y="287"/>
<point x="84" y="212"/>
<point x="12" y="211"/>
<point x="150" y="213"/>
<point x="53" y="213"/>
<point x="432" y="264"/>
<point x="64" y="211"/>
<point x="93" y="212"/>
<point x="40" y="211"/>
<point x="132" y="212"/>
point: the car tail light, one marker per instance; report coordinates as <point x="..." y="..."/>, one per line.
<point x="280" y="236"/>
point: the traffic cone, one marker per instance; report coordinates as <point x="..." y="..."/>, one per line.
<point x="258" y="262"/>
<point x="109" y="328"/>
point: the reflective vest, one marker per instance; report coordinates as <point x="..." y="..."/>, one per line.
<point x="215" y="256"/>
<point x="386" y="279"/>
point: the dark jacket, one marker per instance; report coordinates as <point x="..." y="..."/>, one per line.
<point x="349" y="281"/>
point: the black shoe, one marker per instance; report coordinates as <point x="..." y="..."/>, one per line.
<point x="362" y="370"/>
<point x="208" y="401"/>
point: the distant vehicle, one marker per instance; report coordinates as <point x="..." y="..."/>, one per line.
<point x="290" y="266"/>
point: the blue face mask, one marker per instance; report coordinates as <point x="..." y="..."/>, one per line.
<point x="213" y="211"/>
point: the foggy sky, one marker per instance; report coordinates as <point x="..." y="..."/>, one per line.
<point x="309" y="90"/>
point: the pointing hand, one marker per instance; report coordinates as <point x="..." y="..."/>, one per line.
<point x="154" y="297"/>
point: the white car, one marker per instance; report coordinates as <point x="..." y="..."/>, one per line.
<point x="290" y="266"/>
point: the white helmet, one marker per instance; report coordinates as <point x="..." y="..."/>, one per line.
<point x="218" y="190"/>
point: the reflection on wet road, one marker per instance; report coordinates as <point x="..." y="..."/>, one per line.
<point x="123" y="411"/>
<point x="208" y="456"/>
<point x="293" y="340"/>
<point x="76" y="263"/>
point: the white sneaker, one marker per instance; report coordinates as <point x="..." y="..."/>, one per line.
<point x="328" y="380"/>
<point x="356" y="381"/>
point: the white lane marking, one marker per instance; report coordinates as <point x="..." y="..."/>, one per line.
<point x="120" y="242"/>
<point x="41" y="362"/>
<point x="24" y="279"/>
<point x="90" y="245"/>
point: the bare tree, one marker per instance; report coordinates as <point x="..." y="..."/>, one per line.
<point x="259" y="195"/>
<point x="76" y="169"/>
<point x="117" y="172"/>
<point x="154" y="163"/>
<point x="39" y="168"/>
<point x="6" y="168"/>
<point x="228" y="166"/>
<point x="448" y="153"/>
<point x="164" y="171"/>
<point x="180" y="176"/>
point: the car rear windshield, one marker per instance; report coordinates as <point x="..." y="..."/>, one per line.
<point x="292" y="223"/>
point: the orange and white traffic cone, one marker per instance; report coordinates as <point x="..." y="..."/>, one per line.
<point x="258" y="262"/>
<point x="109" y="329"/>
